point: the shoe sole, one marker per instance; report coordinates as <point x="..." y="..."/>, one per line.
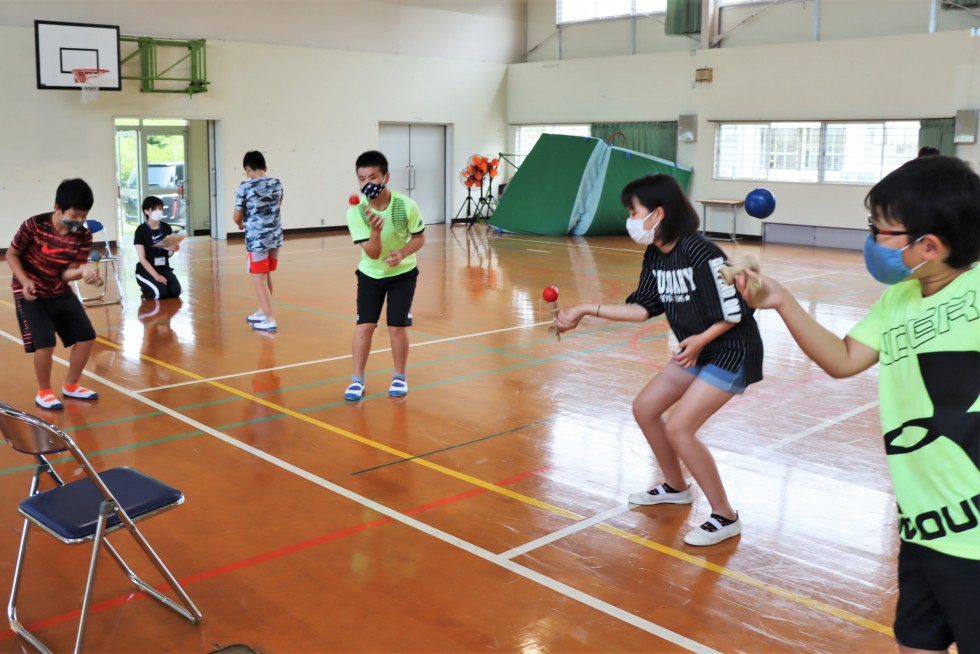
<point x="689" y="500"/>
<point x="56" y="407"/>
<point x="711" y="542"/>
<point x="351" y="398"/>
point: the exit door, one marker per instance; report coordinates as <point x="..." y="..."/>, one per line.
<point x="417" y="162"/>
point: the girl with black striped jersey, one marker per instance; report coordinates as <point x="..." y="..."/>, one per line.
<point x="719" y="353"/>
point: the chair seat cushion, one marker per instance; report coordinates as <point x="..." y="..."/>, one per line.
<point x="72" y="511"/>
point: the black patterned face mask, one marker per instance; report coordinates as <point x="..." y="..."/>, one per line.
<point x="373" y="190"/>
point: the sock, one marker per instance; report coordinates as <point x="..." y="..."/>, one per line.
<point x="358" y="379"/>
<point x="45" y="392"/>
<point x="671" y="489"/>
<point x="71" y="388"/>
<point x="399" y="375"/>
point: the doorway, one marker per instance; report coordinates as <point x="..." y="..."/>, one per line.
<point x="167" y="158"/>
<point x="417" y="162"/>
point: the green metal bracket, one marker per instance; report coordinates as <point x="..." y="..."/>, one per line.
<point x="150" y="74"/>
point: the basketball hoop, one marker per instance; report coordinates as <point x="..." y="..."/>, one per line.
<point x="89" y="80"/>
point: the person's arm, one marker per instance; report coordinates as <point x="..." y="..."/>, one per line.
<point x="239" y="218"/>
<point x="372" y="246"/>
<point x="838" y="357"/>
<point x="568" y="319"/>
<point x="414" y="244"/>
<point x="17" y="269"/>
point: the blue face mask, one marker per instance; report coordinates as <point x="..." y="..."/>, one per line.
<point x="885" y="264"/>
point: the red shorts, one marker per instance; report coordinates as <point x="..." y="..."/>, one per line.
<point x="263" y="262"/>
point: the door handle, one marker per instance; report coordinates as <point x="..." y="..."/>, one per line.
<point x="411" y="178"/>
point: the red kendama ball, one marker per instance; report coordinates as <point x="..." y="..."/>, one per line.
<point x="354" y="199"/>
<point x="550" y="294"/>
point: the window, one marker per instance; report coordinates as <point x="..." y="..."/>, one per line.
<point x="528" y="135"/>
<point x="575" y="11"/>
<point x="814" y="152"/>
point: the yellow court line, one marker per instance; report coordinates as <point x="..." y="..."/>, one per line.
<point x="639" y="540"/>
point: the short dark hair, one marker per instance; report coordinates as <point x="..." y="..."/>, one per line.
<point x="372" y="159"/>
<point x="653" y="191"/>
<point x="928" y="151"/>
<point x="74" y="194"/>
<point x="936" y="195"/>
<point x="152" y="202"/>
<point x="254" y="160"/>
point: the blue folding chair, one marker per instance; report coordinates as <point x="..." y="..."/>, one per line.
<point x="101" y="255"/>
<point x="84" y="510"/>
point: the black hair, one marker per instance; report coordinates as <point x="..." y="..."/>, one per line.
<point x="371" y="159"/>
<point x="936" y="195"/>
<point x="74" y="194"/>
<point x="928" y="151"/>
<point x="152" y="202"/>
<point x="653" y="191"/>
<point x="254" y="160"/>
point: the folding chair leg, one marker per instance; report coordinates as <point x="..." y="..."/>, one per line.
<point x="15" y="624"/>
<point x="105" y="510"/>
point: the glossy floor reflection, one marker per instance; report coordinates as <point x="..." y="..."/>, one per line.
<point x="487" y="509"/>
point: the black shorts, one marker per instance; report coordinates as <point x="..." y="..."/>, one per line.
<point x="938" y="600"/>
<point x="400" y="291"/>
<point x="44" y="317"/>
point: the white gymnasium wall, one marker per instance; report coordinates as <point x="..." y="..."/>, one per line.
<point x="310" y="110"/>
<point x="898" y="77"/>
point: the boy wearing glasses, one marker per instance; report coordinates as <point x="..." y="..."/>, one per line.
<point x="924" y="331"/>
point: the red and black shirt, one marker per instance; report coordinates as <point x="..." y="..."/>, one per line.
<point x="46" y="254"/>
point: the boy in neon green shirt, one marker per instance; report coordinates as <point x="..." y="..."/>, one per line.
<point x="924" y="331"/>
<point x="389" y="228"/>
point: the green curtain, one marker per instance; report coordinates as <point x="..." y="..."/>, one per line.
<point x="683" y="17"/>
<point x="938" y="132"/>
<point x="658" y="139"/>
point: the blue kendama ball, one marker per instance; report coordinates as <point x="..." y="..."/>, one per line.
<point x="760" y="203"/>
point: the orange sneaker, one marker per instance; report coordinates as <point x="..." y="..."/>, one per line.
<point x="48" y="401"/>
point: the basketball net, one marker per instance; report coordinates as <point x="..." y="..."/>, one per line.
<point x="89" y="80"/>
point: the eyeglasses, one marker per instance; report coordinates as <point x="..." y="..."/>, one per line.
<point x="884" y="232"/>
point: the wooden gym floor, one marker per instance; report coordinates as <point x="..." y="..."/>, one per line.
<point x="487" y="509"/>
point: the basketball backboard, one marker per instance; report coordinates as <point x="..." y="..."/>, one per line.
<point x="64" y="47"/>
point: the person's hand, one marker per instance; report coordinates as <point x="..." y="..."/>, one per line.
<point x="90" y="274"/>
<point x="376" y="222"/>
<point x="568" y="319"/>
<point x="241" y="224"/>
<point x="760" y="292"/>
<point x="394" y="258"/>
<point x="28" y="289"/>
<point x="175" y="249"/>
<point x="688" y="351"/>
<point x="157" y="277"/>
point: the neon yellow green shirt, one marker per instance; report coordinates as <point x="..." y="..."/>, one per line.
<point x="402" y="220"/>
<point x="929" y="391"/>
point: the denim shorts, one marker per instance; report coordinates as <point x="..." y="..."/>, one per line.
<point x="730" y="382"/>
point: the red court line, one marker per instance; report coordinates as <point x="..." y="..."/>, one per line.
<point x="268" y="556"/>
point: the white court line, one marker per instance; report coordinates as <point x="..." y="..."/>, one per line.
<point x="567" y="531"/>
<point x="486" y="555"/>
<point x="336" y="358"/>
<point x="545" y="251"/>
<point x="830" y="422"/>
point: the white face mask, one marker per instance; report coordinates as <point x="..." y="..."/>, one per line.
<point x="634" y="226"/>
<point x="156" y="215"/>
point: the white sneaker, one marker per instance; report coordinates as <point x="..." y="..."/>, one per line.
<point x="660" y="495"/>
<point x="713" y="530"/>
<point x="80" y="393"/>
<point x="258" y="316"/>
<point x="49" y="401"/>
<point x="265" y="325"/>
<point x="354" y="391"/>
<point x="398" y="388"/>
